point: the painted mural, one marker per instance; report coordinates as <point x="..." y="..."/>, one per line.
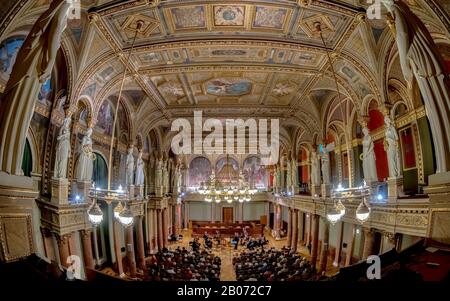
<point x="270" y="17"/>
<point x="229" y="15"/>
<point x="45" y="92"/>
<point x="221" y="163"/>
<point x="188" y="17"/>
<point x="254" y="173"/>
<point x="105" y="119"/>
<point x="8" y="54"/>
<point x="199" y="171"/>
<point x="229" y="86"/>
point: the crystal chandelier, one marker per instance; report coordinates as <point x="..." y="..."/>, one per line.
<point x="226" y="188"/>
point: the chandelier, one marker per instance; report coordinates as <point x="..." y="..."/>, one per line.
<point x="123" y="214"/>
<point x="337" y="211"/>
<point x="227" y="186"/>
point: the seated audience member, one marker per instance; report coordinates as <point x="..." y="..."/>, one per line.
<point x="271" y="264"/>
<point x="183" y="265"/>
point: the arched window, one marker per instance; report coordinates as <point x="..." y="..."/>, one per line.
<point x="27" y="160"/>
<point x="100" y="173"/>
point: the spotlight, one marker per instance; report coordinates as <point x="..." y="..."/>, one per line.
<point x="77" y="198"/>
<point x="379" y="197"/>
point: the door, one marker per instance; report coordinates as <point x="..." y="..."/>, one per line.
<point x="227" y="215"/>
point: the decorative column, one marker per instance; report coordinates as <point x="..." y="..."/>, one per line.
<point x="294" y="230"/>
<point x="369" y="243"/>
<point x="117" y="248"/>
<point x="324" y="251"/>
<point x="160" y="229"/>
<point x="241" y="212"/>
<point x="154" y="231"/>
<point x="165" y="227"/>
<point x="96" y="253"/>
<point x="213" y="212"/>
<point x="301" y="226"/>
<point x="130" y="251"/>
<point x="289" y="229"/>
<point x="63" y="247"/>
<point x="277" y="221"/>
<point x="186" y="216"/>
<point x="350" y="246"/>
<point x="315" y="239"/>
<point x="337" y="257"/>
<point x="140" y="242"/>
<point x="179" y="218"/>
<point x="87" y="249"/>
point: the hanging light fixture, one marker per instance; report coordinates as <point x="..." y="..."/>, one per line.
<point x="95" y="214"/>
<point x="117" y="210"/>
<point x="340" y="208"/>
<point x="126" y="216"/>
<point x="362" y="212"/>
<point x="333" y="215"/>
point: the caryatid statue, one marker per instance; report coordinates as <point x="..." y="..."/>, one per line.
<point x="315" y="169"/>
<point x="158" y="172"/>
<point x="130" y="167"/>
<point x="85" y="163"/>
<point x="392" y="148"/>
<point x="294" y="172"/>
<point x="368" y="157"/>
<point x="420" y="57"/>
<point x="165" y="176"/>
<point x="326" y="167"/>
<point x="288" y="175"/>
<point x="33" y="66"/>
<point x="62" y="150"/>
<point x="139" y="178"/>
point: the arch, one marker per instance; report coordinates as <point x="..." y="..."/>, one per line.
<point x="100" y="171"/>
<point x="200" y="169"/>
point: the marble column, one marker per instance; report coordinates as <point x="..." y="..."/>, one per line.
<point x="117" y="247"/>
<point x="289" y="229"/>
<point x="324" y="249"/>
<point x="369" y="243"/>
<point x="129" y="241"/>
<point x="87" y="249"/>
<point x="96" y="253"/>
<point x="160" y="229"/>
<point x="140" y="242"/>
<point x="301" y="226"/>
<point x="63" y="247"/>
<point x="241" y="212"/>
<point x="186" y="216"/>
<point x="314" y="239"/>
<point x="165" y="227"/>
<point x="294" y="230"/>
<point x="350" y="246"/>
<point x="213" y="212"/>
<point x="340" y="233"/>
<point x="155" y="230"/>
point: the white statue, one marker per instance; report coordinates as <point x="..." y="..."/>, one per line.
<point x="315" y="169"/>
<point x="294" y="172"/>
<point x="33" y="66"/>
<point x="326" y="167"/>
<point x="368" y="158"/>
<point x="62" y="150"/>
<point x="130" y="167"/>
<point x="165" y="177"/>
<point x="278" y="176"/>
<point x="178" y="178"/>
<point x="391" y="146"/>
<point x="288" y="175"/>
<point x="85" y="160"/>
<point x="139" y="178"/>
<point x="420" y="57"/>
<point x="158" y="172"/>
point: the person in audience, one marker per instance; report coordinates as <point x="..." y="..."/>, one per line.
<point x="183" y="265"/>
<point x="271" y="264"/>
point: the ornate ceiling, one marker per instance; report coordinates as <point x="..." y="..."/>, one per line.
<point x="227" y="58"/>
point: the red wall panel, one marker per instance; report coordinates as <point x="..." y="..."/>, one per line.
<point x="381" y="160"/>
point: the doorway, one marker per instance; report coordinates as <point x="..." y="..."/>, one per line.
<point x="227" y="215"/>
